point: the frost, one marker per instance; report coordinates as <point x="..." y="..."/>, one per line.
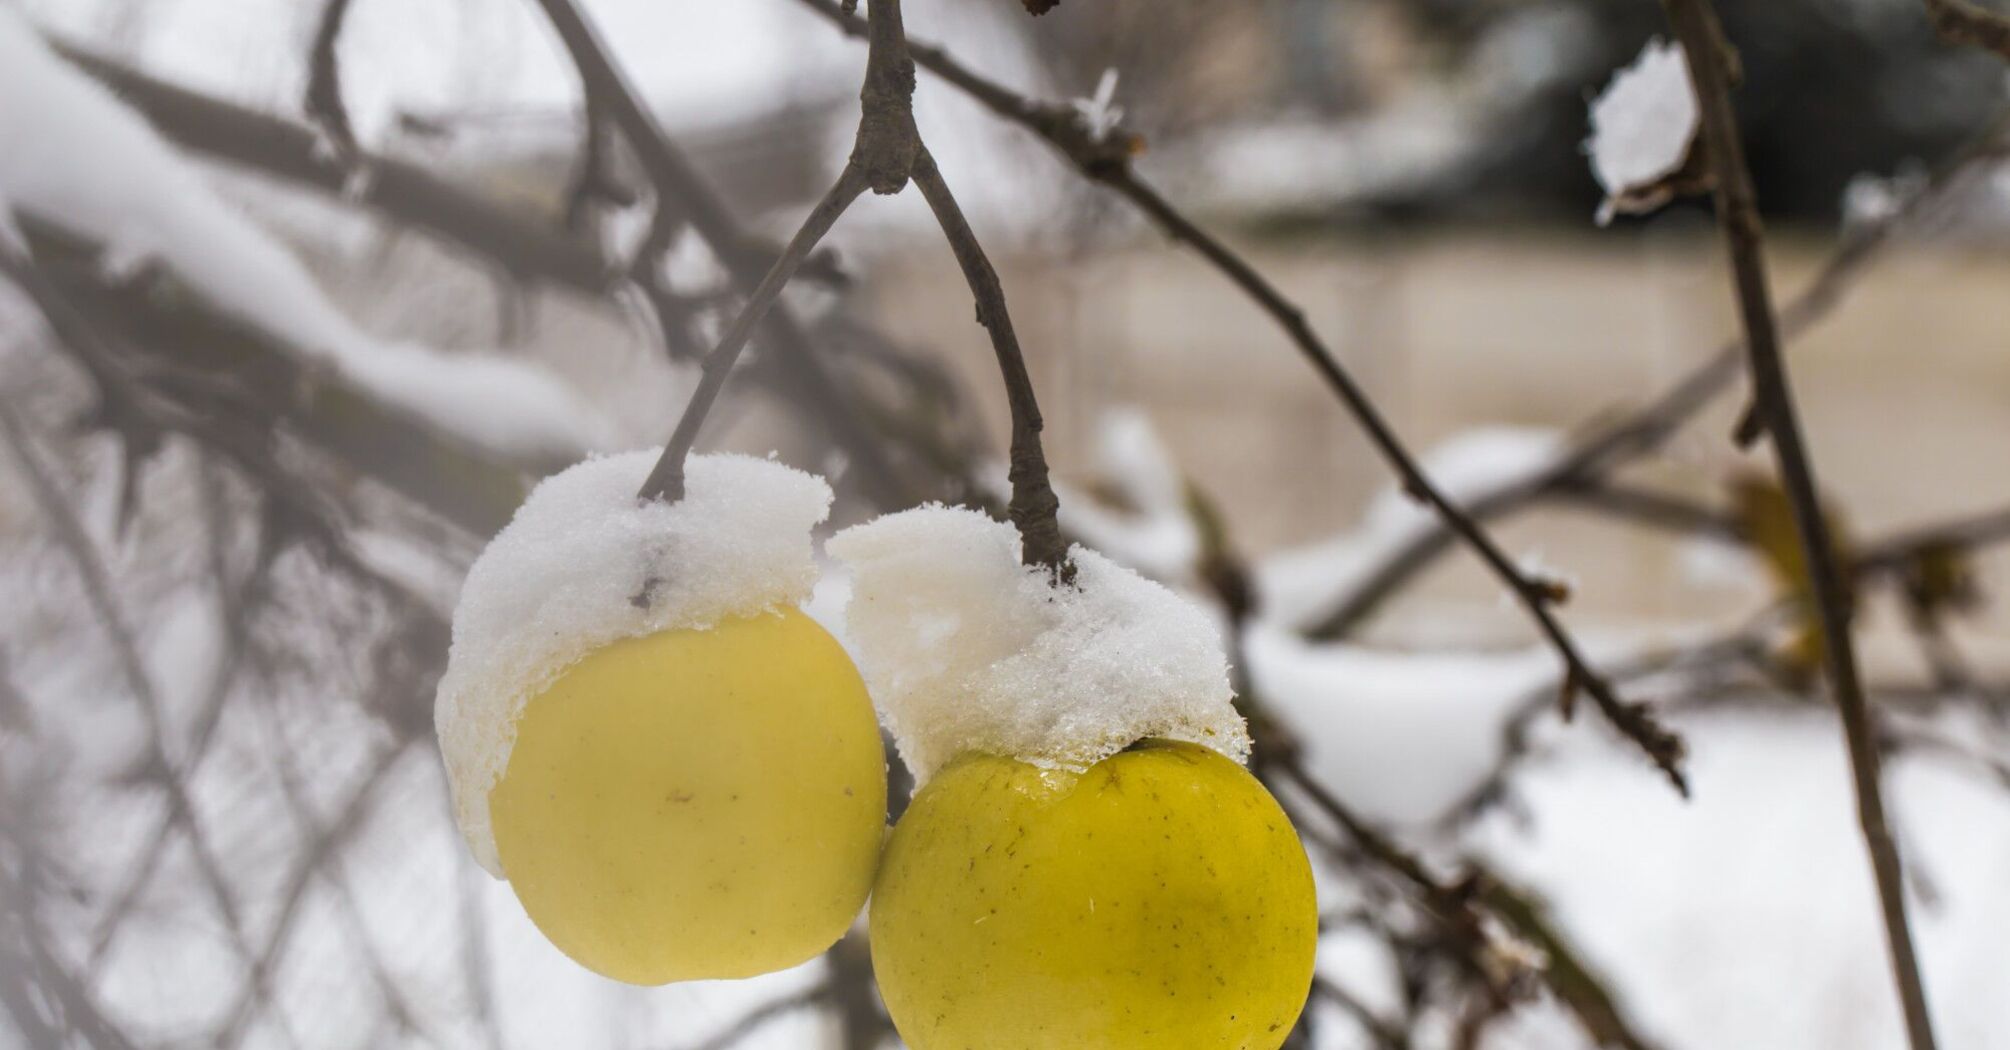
<point x="584" y="563"/>
<point x="968" y="650"/>
<point x="1642" y="127"/>
<point x="76" y="154"/>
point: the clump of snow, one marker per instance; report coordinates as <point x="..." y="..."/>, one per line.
<point x="583" y="564"/>
<point x="1642" y="127"/>
<point x="77" y="155"/>
<point x="968" y="650"/>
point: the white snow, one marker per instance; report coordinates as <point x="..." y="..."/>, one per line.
<point x="968" y="650"/>
<point x="1301" y="584"/>
<point x="1402" y="736"/>
<point x="75" y="154"/>
<point x="1099" y="113"/>
<point x="563" y="578"/>
<point x="1696" y="909"/>
<point x="1641" y="128"/>
<point x="1153" y="531"/>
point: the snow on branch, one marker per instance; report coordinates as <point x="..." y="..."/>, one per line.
<point x="1643" y="127"/>
<point x="78" y="156"/>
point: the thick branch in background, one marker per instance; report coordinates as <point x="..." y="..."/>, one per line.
<point x="1962" y="22"/>
<point x="1709" y="59"/>
<point x="407" y="193"/>
<point x="469" y="487"/>
<point x="887" y="151"/>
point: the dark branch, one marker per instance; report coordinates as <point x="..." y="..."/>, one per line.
<point x="1097" y="162"/>
<point x="1034" y="506"/>
<point x="324" y="81"/>
<point x="679" y="187"/>
<point x="1695" y="24"/>
<point x="666" y="479"/>
<point x="1961" y="22"/>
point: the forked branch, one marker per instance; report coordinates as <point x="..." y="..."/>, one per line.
<point x="887" y="153"/>
<point x="1105" y="159"/>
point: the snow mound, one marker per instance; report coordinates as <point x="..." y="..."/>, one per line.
<point x="1642" y="126"/>
<point x="968" y="650"/>
<point x="584" y="563"/>
<point x="1302" y="585"/>
<point x="75" y="154"/>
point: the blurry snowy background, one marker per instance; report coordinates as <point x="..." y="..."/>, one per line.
<point x="263" y="396"/>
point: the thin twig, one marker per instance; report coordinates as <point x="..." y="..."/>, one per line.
<point x="1034" y="504"/>
<point x="1695" y="25"/>
<point x="666" y="479"/>
<point x="324" y="82"/>
<point x="1099" y="163"/>
<point x="679" y="187"/>
<point x="753" y="1020"/>
<point x="102" y="598"/>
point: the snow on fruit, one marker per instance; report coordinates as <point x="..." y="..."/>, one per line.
<point x="1085" y="862"/>
<point x="679" y="772"/>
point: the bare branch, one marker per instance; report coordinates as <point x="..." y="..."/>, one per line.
<point x="679" y="186"/>
<point x="1961" y="22"/>
<point x="324" y="81"/>
<point x="666" y="479"/>
<point x="410" y="194"/>
<point x="1695" y="24"/>
<point x="1034" y="505"/>
<point x="1098" y="163"/>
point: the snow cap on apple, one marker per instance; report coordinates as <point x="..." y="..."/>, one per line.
<point x="967" y="650"/>
<point x="585" y="563"/>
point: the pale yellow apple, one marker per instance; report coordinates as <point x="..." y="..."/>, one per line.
<point x="1158" y="901"/>
<point x="696" y="803"/>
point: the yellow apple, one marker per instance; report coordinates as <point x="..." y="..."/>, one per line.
<point x="696" y="803"/>
<point x="1158" y="901"/>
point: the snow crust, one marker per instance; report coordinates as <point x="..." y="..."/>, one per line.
<point x="75" y="154"/>
<point x="568" y="574"/>
<point x="1641" y="128"/>
<point x="967" y="650"/>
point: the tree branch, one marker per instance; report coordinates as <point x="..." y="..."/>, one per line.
<point x="1961" y="22"/>
<point x="678" y="186"/>
<point x="323" y="101"/>
<point x="1034" y="505"/>
<point x="666" y="479"/>
<point x="1098" y="162"/>
<point x="1695" y="25"/>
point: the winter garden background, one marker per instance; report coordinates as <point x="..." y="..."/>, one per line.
<point x="298" y="300"/>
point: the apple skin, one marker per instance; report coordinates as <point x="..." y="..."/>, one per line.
<point x="1161" y="900"/>
<point x="696" y="804"/>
